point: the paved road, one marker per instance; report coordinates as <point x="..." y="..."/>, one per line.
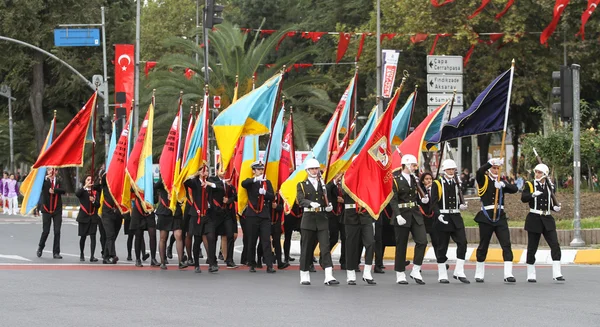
<point x="44" y="291"/>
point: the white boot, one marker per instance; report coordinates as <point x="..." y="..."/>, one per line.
<point x="351" y="277"/>
<point x="367" y="277"/>
<point x="480" y="272"/>
<point x="556" y="274"/>
<point x="329" y="279"/>
<point x="304" y="277"/>
<point x="401" y="278"/>
<point x="442" y="273"/>
<point x="508" y="275"/>
<point x="531" y="273"/>
<point x="416" y="275"/>
<point x="459" y="271"/>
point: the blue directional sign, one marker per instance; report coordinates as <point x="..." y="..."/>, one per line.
<point x="77" y="37"/>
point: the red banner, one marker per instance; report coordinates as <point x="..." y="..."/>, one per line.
<point x="559" y="7"/>
<point x="286" y="163"/>
<point x="592" y="4"/>
<point x="124" y="74"/>
<point x="168" y="157"/>
<point x="115" y="176"/>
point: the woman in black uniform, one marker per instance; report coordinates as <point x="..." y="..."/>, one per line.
<point x="140" y="221"/>
<point x="167" y="221"/>
<point x="87" y="218"/>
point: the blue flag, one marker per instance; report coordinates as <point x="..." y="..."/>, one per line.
<point x="487" y="114"/>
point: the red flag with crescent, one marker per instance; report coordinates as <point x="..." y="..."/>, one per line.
<point x="559" y="7"/>
<point x="124" y="74"/>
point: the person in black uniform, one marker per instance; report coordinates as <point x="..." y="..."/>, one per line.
<point x="427" y="212"/>
<point x="143" y="219"/>
<point x="111" y="220"/>
<point x="167" y="221"/>
<point x="291" y="223"/>
<point x="337" y="230"/>
<point x="312" y="196"/>
<point x="186" y="225"/>
<point x="258" y="215"/>
<point x="216" y="219"/>
<point x="385" y="219"/>
<point x="445" y="197"/>
<point x="487" y="185"/>
<point x="51" y="205"/>
<point x="408" y="218"/>
<point x="539" y="221"/>
<point x="276" y="217"/>
<point x="231" y="225"/>
<point x="87" y="218"/>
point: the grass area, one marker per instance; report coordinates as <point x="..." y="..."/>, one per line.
<point x="586" y="223"/>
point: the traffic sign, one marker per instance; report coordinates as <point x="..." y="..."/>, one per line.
<point x="456" y="110"/>
<point x="444" y="83"/>
<point x="445" y="64"/>
<point x="77" y="37"/>
<point x="436" y="99"/>
<point x="217" y="102"/>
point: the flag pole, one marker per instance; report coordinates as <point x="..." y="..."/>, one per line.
<point x="293" y="152"/>
<point x="273" y="121"/>
<point x="443" y="144"/>
<point x="354" y="101"/>
<point x="502" y="150"/>
<point x="94" y="116"/>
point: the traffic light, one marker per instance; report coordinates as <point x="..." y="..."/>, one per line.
<point x="213" y="14"/>
<point x="564" y="91"/>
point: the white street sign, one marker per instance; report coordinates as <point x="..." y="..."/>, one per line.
<point x="444" y="83"/>
<point x="456" y="110"/>
<point x="445" y="64"/>
<point x="436" y="99"/>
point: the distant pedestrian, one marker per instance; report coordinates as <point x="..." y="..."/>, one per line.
<point x="12" y="194"/>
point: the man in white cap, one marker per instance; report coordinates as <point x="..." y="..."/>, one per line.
<point x="540" y="222"/>
<point x="487" y="185"/>
<point x="408" y="218"/>
<point x="312" y="196"/>
<point x="445" y="195"/>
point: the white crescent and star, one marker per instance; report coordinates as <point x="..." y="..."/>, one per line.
<point x="592" y="8"/>
<point x="126" y="56"/>
<point x="558" y="8"/>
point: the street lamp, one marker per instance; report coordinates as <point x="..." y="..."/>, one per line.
<point x="6" y="91"/>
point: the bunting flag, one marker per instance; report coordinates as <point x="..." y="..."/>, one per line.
<point x="68" y="148"/>
<point x="31" y="187"/>
<point x="342" y="46"/>
<point x="418" y="38"/>
<point x="139" y="165"/>
<point x="360" y="46"/>
<point x="559" y="7"/>
<point x="401" y="122"/>
<point x="250" y="155"/>
<point x="505" y="10"/>
<point x="345" y="106"/>
<point x="319" y="152"/>
<point x="585" y="16"/>
<point x="373" y="164"/>
<point x="250" y="115"/>
<point x="118" y="185"/>
<point x="486" y="114"/>
<point x="437" y="4"/>
<point x="170" y="153"/>
<point x="435" y="41"/>
<point x="480" y="9"/>
<point x="342" y="161"/>
<point x="274" y="151"/>
<point x="287" y="164"/>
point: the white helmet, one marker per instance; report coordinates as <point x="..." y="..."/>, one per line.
<point x="542" y="168"/>
<point x="408" y="159"/>
<point x="312" y="163"/>
<point x="448" y="164"/>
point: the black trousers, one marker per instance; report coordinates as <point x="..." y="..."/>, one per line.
<point x="435" y="242"/>
<point x="533" y="241"/>
<point x="256" y="227"/>
<point x="102" y="236"/>
<point x="307" y="244"/>
<point x="47" y="219"/>
<point x="245" y="231"/>
<point x="459" y="237"/>
<point x="276" y="235"/>
<point x="290" y="224"/>
<point x="112" y="225"/>
<point x="419" y="235"/>
<point x="231" y="225"/>
<point x="485" y="235"/>
<point x="354" y="235"/>
<point x="337" y="231"/>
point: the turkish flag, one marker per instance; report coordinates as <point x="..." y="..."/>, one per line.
<point x="342" y="46"/>
<point x="505" y="10"/>
<point x="369" y="178"/>
<point x="592" y="4"/>
<point x="480" y="9"/>
<point x="559" y="7"/>
<point x="436" y="3"/>
<point x="124" y="74"/>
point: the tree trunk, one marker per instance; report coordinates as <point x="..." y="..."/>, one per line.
<point x="36" y="98"/>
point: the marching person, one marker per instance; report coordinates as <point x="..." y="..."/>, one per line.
<point x="487" y="185"/>
<point x="312" y="196"/>
<point x="111" y="221"/>
<point x="427" y="212"/>
<point x="276" y="217"/>
<point x="540" y="222"/>
<point x="142" y="221"/>
<point x="258" y="216"/>
<point x="87" y="218"/>
<point x="216" y="220"/>
<point x="167" y="221"/>
<point x="408" y="218"/>
<point x="12" y="194"/>
<point x="445" y="198"/>
<point x="291" y="223"/>
<point x="385" y="219"/>
<point x="337" y="230"/>
<point x="51" y="204"/>
<point x="231" y="225"/>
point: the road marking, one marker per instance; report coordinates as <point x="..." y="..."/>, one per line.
<point x="13" y="257"/>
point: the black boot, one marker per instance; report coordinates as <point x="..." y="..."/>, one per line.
<point x="170" y="252"/>
<point x="39" y="252"/>
<point x="138" y="263"/>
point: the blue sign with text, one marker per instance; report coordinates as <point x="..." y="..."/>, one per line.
<point x="77" y="37"/>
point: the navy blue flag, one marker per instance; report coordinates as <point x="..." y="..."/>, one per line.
<point x="487" y="114"/>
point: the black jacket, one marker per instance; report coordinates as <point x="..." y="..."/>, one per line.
<point x="306" y="194"/>
<point x="487" y="194"/>
<point x="88" y="211"/>
<point x="535" y="222"/>
<point x="405" y="193"/>
<point x="52" y="203"/>
<point x="258" y="205"/>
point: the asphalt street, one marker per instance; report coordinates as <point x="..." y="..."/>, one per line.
<point x="49" y="292"/>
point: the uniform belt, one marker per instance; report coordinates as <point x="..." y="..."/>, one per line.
<point x="314" y="209"/>
<point x="406" y="205"/>
<point x="450" y="211"/>
<point x="491" y="207"/>
<point x="541" y="212"/>
<point x="349" y="206"/>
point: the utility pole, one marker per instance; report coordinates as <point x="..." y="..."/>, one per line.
<point x="105" y="84"/>
<point x="136" y="88"/>
<point x="5" y="91"/>
<point x="379" y="99"/>
<point x="577" y="240"/>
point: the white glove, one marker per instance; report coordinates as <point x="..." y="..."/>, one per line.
<point x="425" y="199"/>
<point x="463" y="206"/>
<point x="262" y="191"/>
<point x="314" y="205"/>
<point x="401" y="221"/>
<point x="499" y="185"/>
<point x="556" y="208"/>
<point x="329" y="208"/>
<point x="536" y="194"/>
<point x="441" y="219"/>
<point x="259" y="179"/>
